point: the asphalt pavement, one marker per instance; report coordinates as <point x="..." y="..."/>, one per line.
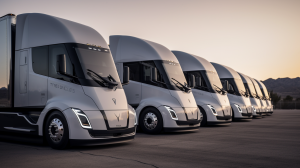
<point x="273" y="141"/>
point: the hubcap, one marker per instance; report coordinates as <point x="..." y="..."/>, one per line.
<point x="150" y="121"/>
<point x="56" y="130"/>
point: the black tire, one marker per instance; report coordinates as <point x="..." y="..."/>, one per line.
<point x="204" y="119"/>
<point x="233" y="119"/>
<point x="59" y="141"/>
<point x="143" y="125"/>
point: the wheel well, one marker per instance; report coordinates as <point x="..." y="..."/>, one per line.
<point x="46" y="117"/>
<point x="144" y="109"/>
<point x="202" y="109"/>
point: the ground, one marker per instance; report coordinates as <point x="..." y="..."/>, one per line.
<point x="273" y="141"/>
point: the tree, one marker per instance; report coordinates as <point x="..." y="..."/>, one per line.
<point x="298" y="99"/>
<point x="288" y="98"/>
<point x="274" y="97"/>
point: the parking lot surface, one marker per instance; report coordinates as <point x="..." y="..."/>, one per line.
<point x="273" y="141"/>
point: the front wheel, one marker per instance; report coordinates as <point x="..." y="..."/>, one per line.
<point x="151" y="121"/>
<point x="56" y="131"/>
<point x="204" y="119"/>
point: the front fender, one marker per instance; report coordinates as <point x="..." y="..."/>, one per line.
<point x="158" y="104"/>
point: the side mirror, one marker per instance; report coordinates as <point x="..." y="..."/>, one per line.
<point x="154" y="74"/>
<point x="226" y="85"/>
<point x="62" y="64"/>
<point x="230" y="89"/>
<point x="198" y="81"/>
<point x="126" y="75"/>
<point x="192" y="81"/>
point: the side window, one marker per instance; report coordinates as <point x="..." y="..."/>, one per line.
<point x="134" y="68"/>
<point x="40" y="60"/>
<point x="231" y="89"/>
<point x="199" y="80"/>
<point x="147" y="70"/>
<point x="147" y="74"/>
<point x="54" y="51"/>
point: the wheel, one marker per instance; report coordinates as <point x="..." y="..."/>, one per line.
<point x="204" y="119"/>
<point x="151" y="121"/>
<point x="232" y="114"/>
<point x="56" y="131"/>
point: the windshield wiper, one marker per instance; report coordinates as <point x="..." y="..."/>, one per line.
<point x="106" y="82"/>
<point x="183" y="88"/>
<point x="244" y="93"/>
<point x="221" y="90"/>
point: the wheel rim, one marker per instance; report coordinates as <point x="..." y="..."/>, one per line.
<point x="56" y="130"/>
<point x="150" y="121"/>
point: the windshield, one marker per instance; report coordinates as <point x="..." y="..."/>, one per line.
<point x="258" y="91"/>
<point x="214" y="80"/>
<point x="99" y="61"/>
<point x="174" y="71"/>
<point x="265" y="91"/>
<point x="251" y="88"/>
<point x="240" y="85"/>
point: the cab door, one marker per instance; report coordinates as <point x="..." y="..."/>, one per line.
<point x="38" y="76"/>
<point x="133" y="90"/>
<point x="21" y="79"/>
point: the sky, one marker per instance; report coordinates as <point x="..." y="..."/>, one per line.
<point x="259" y="38"/>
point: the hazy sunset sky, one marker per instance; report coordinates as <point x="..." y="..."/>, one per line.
<point x="260" y="38"/>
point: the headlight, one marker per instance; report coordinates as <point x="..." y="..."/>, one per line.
<point x="212" y="109"/>
<point x="253" y="108"/>
<point x="83" y="119"/>
<point x="132" y="109"/>
<point x="238" y="107"/>
<point x="172" y="113"/>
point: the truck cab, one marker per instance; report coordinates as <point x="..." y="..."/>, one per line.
<point x="255" y="101"/>
<point x="237" y="95"/>
<point x="266" y="97"/>
<point x="208" y="91"/>
<point x="61" y="83"/>
<point x="158" y="89"/>
<point x="260" y="96"/>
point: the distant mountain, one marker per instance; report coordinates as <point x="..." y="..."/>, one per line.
<point x="284" y="86"/>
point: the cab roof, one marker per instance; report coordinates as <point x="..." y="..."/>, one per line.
<point x="131" y="49"/>
<point x="190" y="62"/>
<point x="36" y="29"/>
<point x="225" y="71"/>
<point x="260" y="84"/>
<point x="245" y="78"/>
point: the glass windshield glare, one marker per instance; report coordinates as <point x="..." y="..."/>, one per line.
<point x="259" y="93"/>
<point x="252" y="89"/>
<point x="214" y="80"/>
<point x="174" y="71"/>
<point x="99" y="61"/>
<point x="266" y="92"/>
<point x="240" y="85"/>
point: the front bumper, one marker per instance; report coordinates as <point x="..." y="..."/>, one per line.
<point x="111" y="133"/>
<point x="180" y="125"/>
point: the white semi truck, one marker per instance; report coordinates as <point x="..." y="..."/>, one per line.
<point x="157" y="88"/>
<point x="58" y="80"/>
<point x="237" y="95"/>
<point x="260" y="96"/>
<point x="255" y="101"/>
<point x="266" y="97"/>
<point x="208" y="91"/>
